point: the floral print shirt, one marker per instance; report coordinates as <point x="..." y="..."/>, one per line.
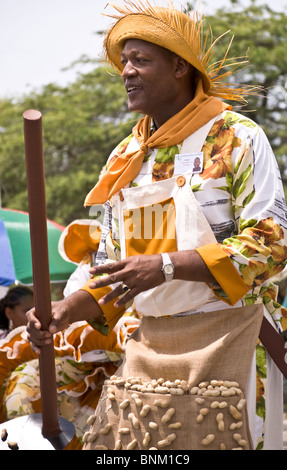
<point x="240" y="192"/>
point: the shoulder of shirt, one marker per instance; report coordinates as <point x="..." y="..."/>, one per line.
<point x="242" y="124"/>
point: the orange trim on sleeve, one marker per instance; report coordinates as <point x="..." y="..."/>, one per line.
<point x="112" y="314"/>
<point x="223" y="270"/>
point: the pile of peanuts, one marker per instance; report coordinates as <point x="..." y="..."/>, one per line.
<point x="220" y="390"/>
<point x="216" y="388"/>
<point x="176" y="387"/>
<point x="135" y="384"/>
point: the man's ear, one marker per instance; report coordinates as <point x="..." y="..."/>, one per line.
<point x="182" y="67"/>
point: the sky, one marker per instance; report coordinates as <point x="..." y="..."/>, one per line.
<point x="39" y="38"/>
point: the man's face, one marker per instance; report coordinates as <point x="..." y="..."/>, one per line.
<point x="149" y="78"/>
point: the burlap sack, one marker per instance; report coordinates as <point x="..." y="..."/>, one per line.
<point x="206" y="358"/>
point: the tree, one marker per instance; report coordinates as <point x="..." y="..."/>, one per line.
<point x="261" y="33"/>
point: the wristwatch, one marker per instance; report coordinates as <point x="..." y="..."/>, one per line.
<point x="167" y="267"/>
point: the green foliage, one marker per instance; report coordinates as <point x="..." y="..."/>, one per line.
<point x="261" y="34"/>
<point x="85" y="120"/>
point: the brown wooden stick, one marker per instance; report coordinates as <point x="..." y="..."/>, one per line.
<point x="40" y="263"/>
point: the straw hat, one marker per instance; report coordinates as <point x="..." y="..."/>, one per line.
<point x="180" y="32"/>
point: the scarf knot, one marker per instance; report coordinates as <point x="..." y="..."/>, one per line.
<point x="126" y="166"/>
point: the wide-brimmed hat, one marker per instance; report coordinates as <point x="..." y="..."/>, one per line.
<point x="180" y="32"/>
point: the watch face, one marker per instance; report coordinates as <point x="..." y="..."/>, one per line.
<point x="168" y="269"/>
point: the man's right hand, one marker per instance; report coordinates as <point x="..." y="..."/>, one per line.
<point x="79" y="306"/>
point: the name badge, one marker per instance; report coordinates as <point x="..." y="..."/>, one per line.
<point x="188" y="163"/>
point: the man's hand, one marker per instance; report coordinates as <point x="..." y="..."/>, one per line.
<point x="79" y="306"/>
<point x="138" y="273"/>
<point x="143" y="272"/>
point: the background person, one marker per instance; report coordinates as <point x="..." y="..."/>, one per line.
<point x="13" y="308"/>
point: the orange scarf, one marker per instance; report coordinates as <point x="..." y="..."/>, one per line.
<point x="174" y="131"/>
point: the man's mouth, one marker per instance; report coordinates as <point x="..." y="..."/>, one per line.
<point x="133" y="89"/>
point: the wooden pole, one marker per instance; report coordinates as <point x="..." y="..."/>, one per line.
<point x="40" y="263"/>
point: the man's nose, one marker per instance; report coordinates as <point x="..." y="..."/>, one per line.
<point x="129" y="70"/>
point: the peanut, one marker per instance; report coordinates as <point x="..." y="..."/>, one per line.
<point x="168" y="415"/>
<point x="228" y="393"/>
<point x="146" y="439"/>
<point x="176" y="425"/>
<point x="211" y="393"/>
<point x="239" y="440"/>
<point x="227" y="383"/>
<point x="13" y="445"/>
<point x="85" y="436"/>
<point x="119" y="382"/>
<point x="118" y="445"/>
<point x="161" y="389"/>
<point x="234" y="412"/>
<point x="124" y="431"/>
<point x="134" y="420"/>
<point x="153" y="425"/>
<point x="237" y="425"/>
<point x="176" y="391"/>
<point x="111" y="396"/>
<point x="92" y="437"/>
<point x="91" y="419"/>
<point x="184" y="385"/>
<point x="137" y="387"/>
<point x="124" y="404"/>
<point x="220" y="422"/>
<point x="144" y="411"/>
<point x="4" y="434"/>
<point x="132" y="444"/>
<point x="216" y="383"/>
<point x="200" y="401"/>
<point x="240" y="405"/>
<point x="162" y="403"/>
<point x="222" y="404"/>
<point x="208" y="440"/>
<point x="199" y="418"/>
<point x="106" y="429"/>
<point x="166" y="442"/>
<point x="203" y="384"/>
<point x="137" y="400"/>
<point x="218" y="404"/>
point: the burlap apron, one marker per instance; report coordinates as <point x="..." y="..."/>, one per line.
<point x="182" y="385"/>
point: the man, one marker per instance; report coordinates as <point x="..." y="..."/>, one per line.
<point x="221" y="237"/>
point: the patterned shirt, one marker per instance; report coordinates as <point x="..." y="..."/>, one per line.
<point x="240" y="192"/>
